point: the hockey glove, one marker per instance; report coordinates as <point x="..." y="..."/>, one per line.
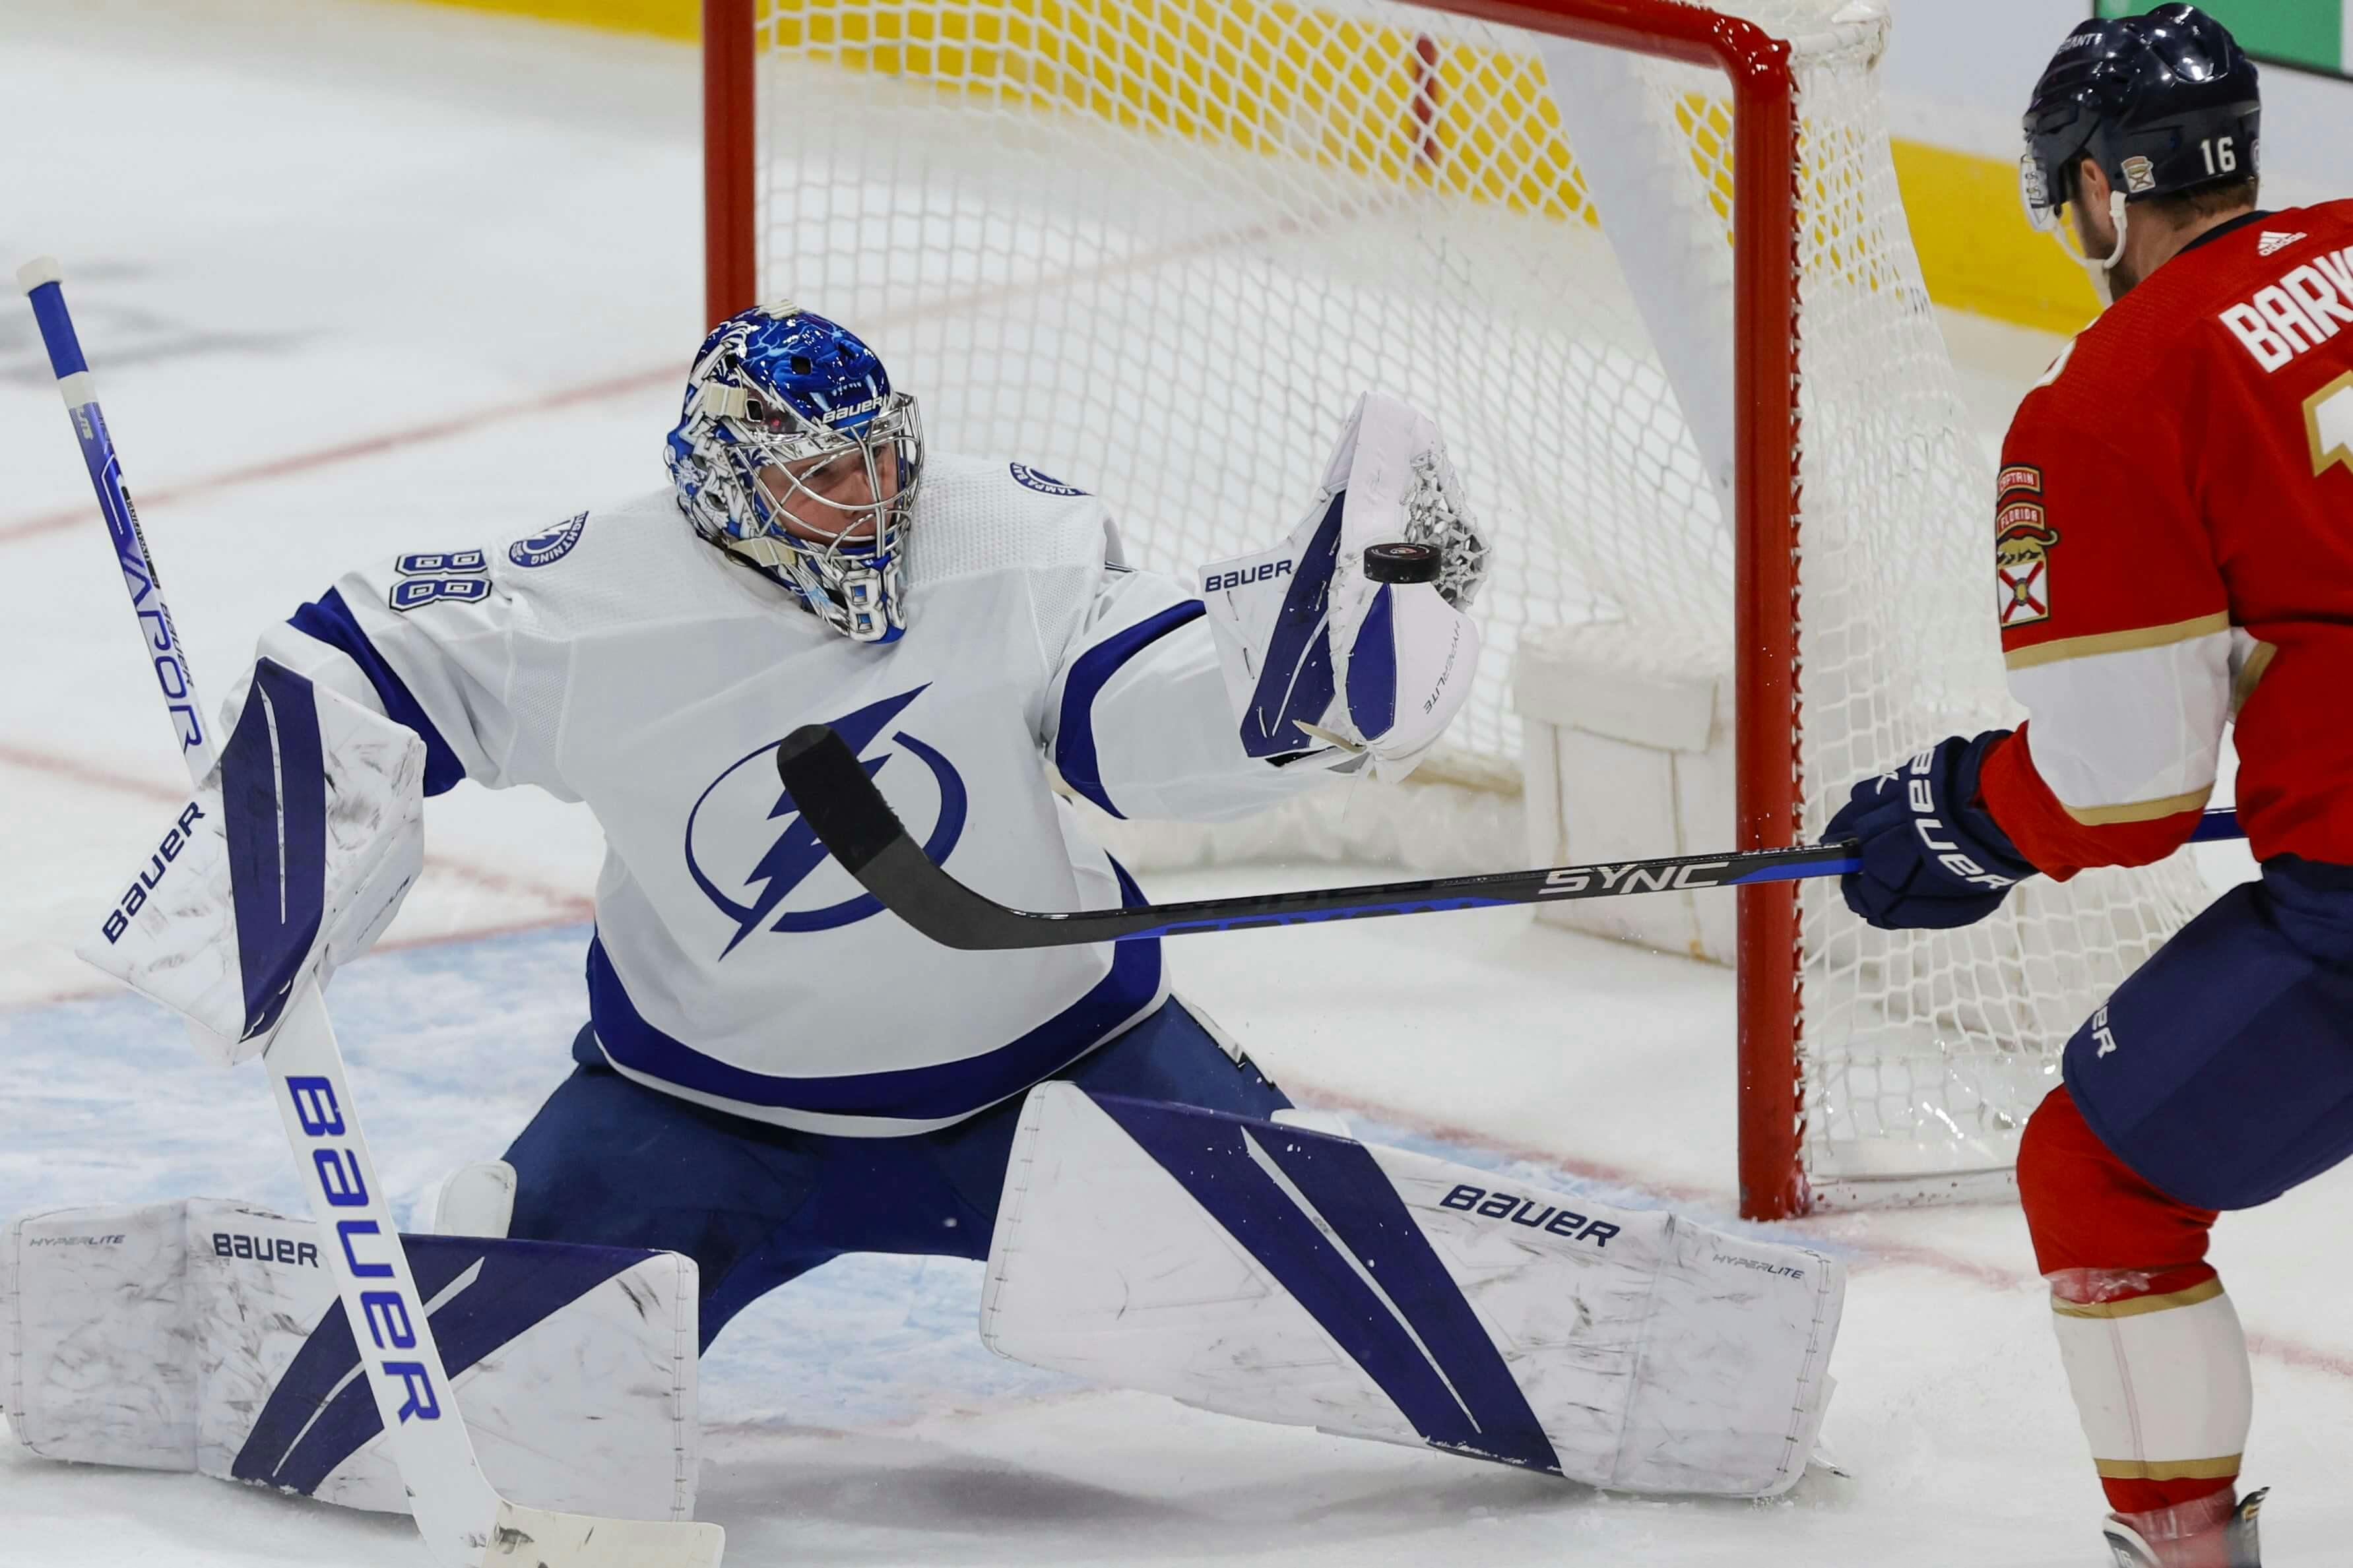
<point x="1932" y="856"/>
<point x="292" y="858"/>
<point x="1329" y="650"/>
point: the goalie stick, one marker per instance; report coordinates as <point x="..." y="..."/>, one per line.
<point x="831" y="790"/>
<point x="464" y="1521"/>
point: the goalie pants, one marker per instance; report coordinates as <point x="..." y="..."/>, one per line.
<point x="606" y="1161"/>
<point x="2219" y="1076"/>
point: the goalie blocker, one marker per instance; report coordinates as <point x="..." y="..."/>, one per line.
<point x="291" y="858"/>
<point x="1268" y="1271"/>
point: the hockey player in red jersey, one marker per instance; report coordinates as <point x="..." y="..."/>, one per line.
<point x="2171" y="550"/>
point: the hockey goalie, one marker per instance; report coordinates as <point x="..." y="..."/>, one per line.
<point x="775" y="1071"/>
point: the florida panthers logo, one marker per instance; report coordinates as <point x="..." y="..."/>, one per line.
<point x="745" y="812"/>
<point x="2022" y="540"/>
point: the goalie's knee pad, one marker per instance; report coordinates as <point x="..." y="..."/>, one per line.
<point x="475" y="1200"/>
<point x="1286" y="1275"/>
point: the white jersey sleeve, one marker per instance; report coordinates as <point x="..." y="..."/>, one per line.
<point x="1139" y="721"/>
<point x="448" y="644"/>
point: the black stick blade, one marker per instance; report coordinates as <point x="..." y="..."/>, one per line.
<point x="831" y="788"/>
<point x="828" y="786"/>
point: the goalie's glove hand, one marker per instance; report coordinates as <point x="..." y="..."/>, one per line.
<point x="1331" y="650"/>
<point x="1408" y="674"/>
<point x="1932" y="856"/>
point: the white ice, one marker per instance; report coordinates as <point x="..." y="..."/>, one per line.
<point x="357" y="278"/>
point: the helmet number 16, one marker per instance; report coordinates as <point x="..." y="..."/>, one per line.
<point x="2221" y="154"/>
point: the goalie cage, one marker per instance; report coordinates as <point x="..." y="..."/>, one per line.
<point x="1669" y="315"/>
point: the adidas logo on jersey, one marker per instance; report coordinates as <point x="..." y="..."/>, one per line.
<point x="2275" y="242"/>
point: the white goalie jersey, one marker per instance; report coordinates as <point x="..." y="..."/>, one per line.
<point x="617" y="660"/>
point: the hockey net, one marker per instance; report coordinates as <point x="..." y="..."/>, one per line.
<point x="1156" y="247"/>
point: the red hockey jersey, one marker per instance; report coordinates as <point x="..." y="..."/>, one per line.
<point x="2173" y="544"/>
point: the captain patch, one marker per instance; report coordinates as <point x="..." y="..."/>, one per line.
<point x="543" y="549"/>
<point x="1045" y="484"/>
<point x="2021" y="562"/>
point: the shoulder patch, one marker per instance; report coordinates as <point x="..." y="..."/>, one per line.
<point x="1045" y="484"/>
<point x="2020" y="479"/>
<point x="2022" y="555"/>
<point x="545" y="549"/>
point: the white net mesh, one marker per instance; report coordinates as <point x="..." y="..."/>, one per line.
<point x="1157" y="247"/>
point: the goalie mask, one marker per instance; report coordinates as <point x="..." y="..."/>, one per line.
<point x="794" y="454"/>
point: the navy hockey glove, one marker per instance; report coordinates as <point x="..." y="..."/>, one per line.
<point x="1932" y="856"/>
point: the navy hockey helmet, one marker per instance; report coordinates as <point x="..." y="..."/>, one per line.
<point x="2163" y="103"/>
<point x="781" y="406"/>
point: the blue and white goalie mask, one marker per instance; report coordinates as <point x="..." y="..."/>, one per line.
<point x="794" y="455"/>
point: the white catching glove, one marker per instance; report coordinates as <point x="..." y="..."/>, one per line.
<point x="293" y="857"/>
<point x="1319" y="654"/>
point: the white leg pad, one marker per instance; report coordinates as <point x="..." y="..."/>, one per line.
<point x="1289" y="1276"/>
<point x="205" y="1336"/>
<point x="2161" y="1382"/>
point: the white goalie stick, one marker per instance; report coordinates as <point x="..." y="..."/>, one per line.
<point x="463" y="1519"/>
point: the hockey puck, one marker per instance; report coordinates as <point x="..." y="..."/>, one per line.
<point x="1402" y="562"/>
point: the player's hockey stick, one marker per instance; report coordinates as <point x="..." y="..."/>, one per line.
<point x="463" y="1519"/>
<point x="833" y="793"/>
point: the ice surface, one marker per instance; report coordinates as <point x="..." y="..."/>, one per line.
<point x="368" y="257"/>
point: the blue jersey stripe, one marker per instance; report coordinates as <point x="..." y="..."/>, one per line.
<point x="1075" y="737"/>
<point x="914" y="1094"/>
<point x="329" y="621"/>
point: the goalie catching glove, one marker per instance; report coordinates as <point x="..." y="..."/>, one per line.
<point x="1321" y="655"/>
<point x="295" y="855"/>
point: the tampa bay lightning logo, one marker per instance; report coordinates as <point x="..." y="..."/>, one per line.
<point x="1045" y="484"/>
<point x="544" y="549"/>
<point x="727" y="827"/>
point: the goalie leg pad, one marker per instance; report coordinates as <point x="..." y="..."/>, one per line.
<point x="1286" y="1275"/>
<point x="205" y="1336"/>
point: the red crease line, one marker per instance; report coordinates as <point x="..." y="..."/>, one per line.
<point x="84" y="513"/>
<point x="570" y="906"/>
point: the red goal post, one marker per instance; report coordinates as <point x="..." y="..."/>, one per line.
<point x="1773" y="1181"/>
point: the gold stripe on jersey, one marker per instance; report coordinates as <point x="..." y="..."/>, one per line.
<point x="2134" y="1306"/>
<point x="2251" y="674"/>
<point x="2116" y="642"/>
<point x="2140" y="810"/>
<point x="2219" y="1469"/>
